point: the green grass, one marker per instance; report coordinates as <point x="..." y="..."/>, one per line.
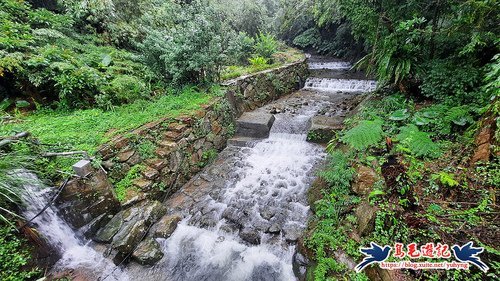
<point x="88" y="129"/>
<point x="287" y="56"/>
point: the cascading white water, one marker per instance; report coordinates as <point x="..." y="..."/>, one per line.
<point x="273" y="175"/>
<point x="335" y="65"/>
<point x="76" y="253"/>
<point x="343" y="85"/>
<point x="265" y="199"/>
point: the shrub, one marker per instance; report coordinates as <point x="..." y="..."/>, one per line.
<point x="311" y="38"/>
<point x="265" y="45"/>
<point x="127" y="89"/>
<point x="446" y="80"/>
<point x="417" y="143"/>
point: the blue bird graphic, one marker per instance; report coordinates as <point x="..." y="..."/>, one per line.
<point x="467" y="253"/>
<point x="373" y="254"/>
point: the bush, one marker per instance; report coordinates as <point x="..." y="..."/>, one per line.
<point x="310" y="38"/>
<point x="127" y="89"/>
<point x="265" y="45"/>
<point x="446" y="80"/>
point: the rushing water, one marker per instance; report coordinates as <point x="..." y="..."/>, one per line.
<point x="335" y="65"/>
<point x="75" y="252"/>
<point x="342" y="85"/>
<point x="246" y="227"/>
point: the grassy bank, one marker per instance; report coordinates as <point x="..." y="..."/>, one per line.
<point x="284" y="56"/>
<point x="88" y="129"/>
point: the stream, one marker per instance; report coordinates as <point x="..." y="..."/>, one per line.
<point x="243" y="214"/>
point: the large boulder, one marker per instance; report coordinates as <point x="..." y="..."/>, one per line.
<point x="166" y="226"/>
<point x="364" y="180"/>
<point x="127" y="229"/>
<point x="148" y="252"/>
<point x="88" y="200"/>
<point x="365" y="214"/>
<point x="254" y="125"/>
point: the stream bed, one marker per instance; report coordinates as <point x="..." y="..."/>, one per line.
<point x="242" y="215"/>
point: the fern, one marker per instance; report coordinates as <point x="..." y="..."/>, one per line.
<point x="418" y="143"/>
<point x="365" y="134"/>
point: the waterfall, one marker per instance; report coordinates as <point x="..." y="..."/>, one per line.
<point x="341" y="85"/>
<point x="336" y="65"/>
<point x="76" y="253"/>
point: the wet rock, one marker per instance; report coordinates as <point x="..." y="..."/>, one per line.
<point x="254" y="125"/>
<point x="365" y="214"/>
<point x="91" y="229"/>
<point x="364" y="181"/>
<point x="85" y="199"/>
<point x="292" y="232"/>
<point x="275" y="228"/>
<point x="128" y="227"/>
<point x="129" y="236"/>
<point x="323" y="128"/>
<point x="299" y="266"/>
<point x="148" y="252"/>
<point x="251" y="236"/>
<point x="166" y="226"/>
<point x="106" y="234"/>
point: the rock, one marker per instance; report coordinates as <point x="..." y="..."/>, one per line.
<point x="364" y="181"/>
<point x="124" y="156"/>
<point x="254" y="124"/>
<point x="241" y="141"/>
<point x="315" y="192"/>
<point x="482" y="153"/>
<point x="85" y="199"/>
<point x="292" y="232"/>
<point x="142" y="183"/>
<point x="175" y="161"/>
<point x="323" y="128"/>
<point x="121" y="142"/>
<point x="177" y="127"/>
<point x="148" y="252"/>
<point x="172" y="135"/>
<point x="106" y="234"/>
<point x="134" y="159"/>
<point x="150" y="173"/>
<point x="365" y="214"/>
<point x="127" y="228"/>
<point x="299" y="265"/>
<point x="166" y="226"/>
<point x="156" y="164"/>
<point x="129" y="236"/>
<point x="251" y="236"/>
<point x="274" y="228"/>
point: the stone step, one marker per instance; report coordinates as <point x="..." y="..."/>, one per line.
<point x="241" y="141"/>
<point x="323" y="128"/>
<point x="254" y="125"/>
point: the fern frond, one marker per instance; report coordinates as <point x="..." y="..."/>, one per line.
<point x="365" y="134"/>
<point x="418" y="143"/>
